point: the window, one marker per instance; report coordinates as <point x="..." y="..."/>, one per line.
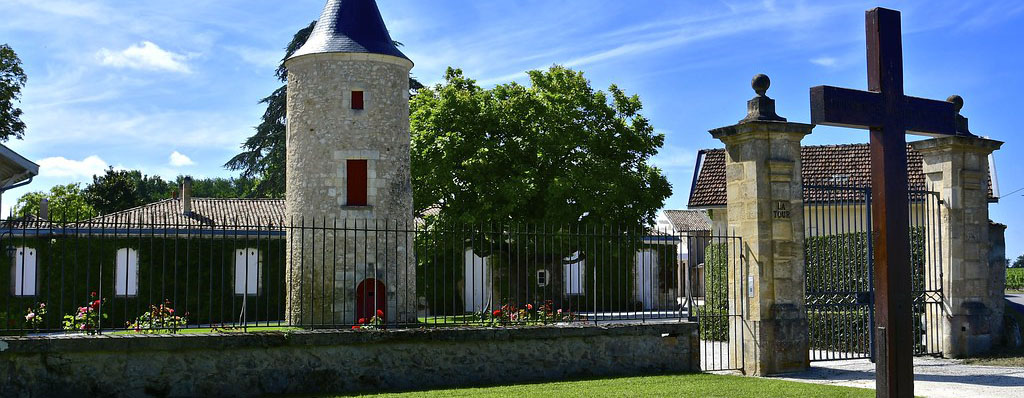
<point x="126" y="275"/>
<point x="357" y="189"/>
<point x="23" y="272"/>
<point x="247" y="272"/>
<point x="357" y="100"/>
<point x="542" y="278"/>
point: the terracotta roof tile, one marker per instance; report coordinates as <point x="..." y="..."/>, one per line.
<point x="830" y="165"/>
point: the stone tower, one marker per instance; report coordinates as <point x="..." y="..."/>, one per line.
<point x="348" y="165"/>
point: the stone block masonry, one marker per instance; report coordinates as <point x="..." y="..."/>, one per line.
<point x="312" y="363"/>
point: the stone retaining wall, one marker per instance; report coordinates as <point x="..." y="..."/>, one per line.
<point x="249" y="365"/>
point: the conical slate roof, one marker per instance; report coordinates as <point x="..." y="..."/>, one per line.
<point x="350" y="26"/>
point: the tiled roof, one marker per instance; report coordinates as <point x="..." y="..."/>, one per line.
<point x="350" y="26"/>
<point x="689" y="220"/>
<point x="830" y="165"/>
<point x="226" y="213"/>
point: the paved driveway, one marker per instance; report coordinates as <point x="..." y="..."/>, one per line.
<point x="933" y="377"/>
<point x="1016" y="300"/>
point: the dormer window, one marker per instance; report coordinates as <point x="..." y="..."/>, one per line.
<point x="357" y="100"/>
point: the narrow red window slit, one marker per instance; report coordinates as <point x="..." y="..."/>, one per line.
<point x="357" y="183"/>
<point x="357" y="100"/>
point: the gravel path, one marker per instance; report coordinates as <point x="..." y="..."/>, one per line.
<point x="933" y="377"/>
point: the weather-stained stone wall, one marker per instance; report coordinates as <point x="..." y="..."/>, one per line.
<point x="314" y="363"/>
<point x="327" y="265"/>
<point x="957" y="167"/>
<point x="766" y="209"/>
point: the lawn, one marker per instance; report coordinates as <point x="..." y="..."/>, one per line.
<point x="692" y="385"/>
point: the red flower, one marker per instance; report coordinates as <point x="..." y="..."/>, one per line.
<point x="355" y="328"/>
<point x="96" y="304"/>
<point x="93" y="294"/>
<point x="496" y="313"/>
<point x="529" y="307"/>
<point x="380" y="313"/>
<point x="362" y="321"/>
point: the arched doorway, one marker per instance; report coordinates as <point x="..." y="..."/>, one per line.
<point x="371" y="295"/>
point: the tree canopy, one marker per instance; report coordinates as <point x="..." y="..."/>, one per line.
<point x="554" y="152"/>
<point x="66" y="202"/>
<point x="12" y="80"/>
<point x="118" y="190"/>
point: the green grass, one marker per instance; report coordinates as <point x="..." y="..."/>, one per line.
<point x="1000" y="357"/>
<point x="692" y="385"/>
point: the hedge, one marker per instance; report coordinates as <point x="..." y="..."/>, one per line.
<point x="714" y="314"/>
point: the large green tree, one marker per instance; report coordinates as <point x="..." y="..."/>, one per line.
<point x="555" y="152"/>
<point x="12" y="80"/>
<point x="262" y="159"/>
<point x="66" y="203"/>
<point x="118" y="190"/>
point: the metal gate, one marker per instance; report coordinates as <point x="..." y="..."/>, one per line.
<point x="714" y="299"/>
<point x="839" y="271"/>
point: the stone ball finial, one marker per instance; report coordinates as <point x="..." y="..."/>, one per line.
<point x="761" y="83"/>
<point x="957" y="101"/>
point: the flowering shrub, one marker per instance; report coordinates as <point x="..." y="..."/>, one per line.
<point x="373" y="323"/>
<point x="87" y="319"/>
<point x="34" y="316"/>
<point x="510" y="314"/>
<point x="159" y="318"/>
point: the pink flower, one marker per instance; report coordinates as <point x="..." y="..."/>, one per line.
<point x="30" y="316"/>
<point x="93" y="294"/>
<point x="83" y="327"/>
<point x="171" y="310"/>
<point x="42" y="305"/>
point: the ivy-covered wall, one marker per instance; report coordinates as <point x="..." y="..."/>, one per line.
<point x="196" y="274"/>
<point x="609" y="274"/>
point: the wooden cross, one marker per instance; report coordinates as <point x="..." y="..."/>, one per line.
<point x="890" y="115"/>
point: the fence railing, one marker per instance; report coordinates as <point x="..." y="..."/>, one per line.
<point x="126" y="276"/>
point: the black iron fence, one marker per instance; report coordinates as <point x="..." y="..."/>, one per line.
<point x="127" y="276"/>
<point x="840" y="279"/>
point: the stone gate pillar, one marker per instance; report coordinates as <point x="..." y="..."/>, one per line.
<point x="958" y="168"/>
<point x="765" y="209"/>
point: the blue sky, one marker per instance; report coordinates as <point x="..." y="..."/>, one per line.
<point x="172" y="87"/>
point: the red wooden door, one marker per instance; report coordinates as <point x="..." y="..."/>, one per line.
<point x="371" y="296"/>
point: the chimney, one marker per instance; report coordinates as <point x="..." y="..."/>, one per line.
<point x="44" y="209"/>
<point x="186" y="196"/>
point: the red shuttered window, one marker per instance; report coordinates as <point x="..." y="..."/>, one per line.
<point x="357" y="183"/>
<point x="357" y="100"/>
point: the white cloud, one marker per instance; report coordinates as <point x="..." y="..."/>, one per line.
<point x="179" y="160"/>
<point x="827" y="62"/>
<point x="64" y="167"/>
<point x="145" y="56"/>
<point x="259" y="57"/>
